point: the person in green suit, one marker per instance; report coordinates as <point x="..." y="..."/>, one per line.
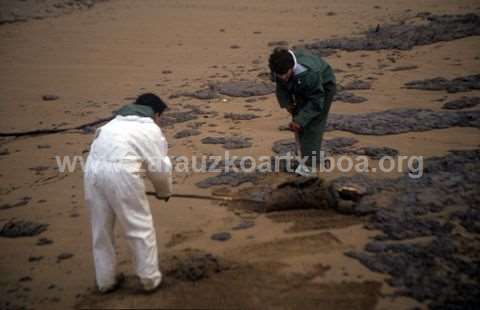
<point x="305" y="86"/>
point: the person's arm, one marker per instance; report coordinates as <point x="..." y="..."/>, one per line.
<point x="159" y="166"/>
<point x="162" y="179"/>
<point x="309" y="111"/>
<point x="314" y="97"/>
<point x="284" y="98"/>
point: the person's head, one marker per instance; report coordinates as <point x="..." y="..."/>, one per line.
<point x="281" y="63"/>
<point x="154" y="102"/>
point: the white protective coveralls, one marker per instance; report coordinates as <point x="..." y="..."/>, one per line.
<point x="124" y="151"/>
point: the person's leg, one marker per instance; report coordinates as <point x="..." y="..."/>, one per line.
<point x="311" y="140"/>
<point x="133" y="212"/>
<point x="103" y="243"/>
<point x="311" y="137"/>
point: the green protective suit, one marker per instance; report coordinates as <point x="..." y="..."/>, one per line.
<point x="311" y="93"/>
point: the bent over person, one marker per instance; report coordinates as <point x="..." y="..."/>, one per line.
<point x="305" y="86"/>
<point x="124" y="152"/>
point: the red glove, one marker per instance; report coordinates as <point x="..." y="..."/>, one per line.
<point x="295" y="127"/>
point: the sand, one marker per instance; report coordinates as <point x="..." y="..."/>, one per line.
<point x="92" y="60"/>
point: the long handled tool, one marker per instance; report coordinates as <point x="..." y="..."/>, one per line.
<point x="207" y="197"/>
<point x="298" y="145"/>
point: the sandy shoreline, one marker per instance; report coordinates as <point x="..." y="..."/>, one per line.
<point x="98" y="59"/>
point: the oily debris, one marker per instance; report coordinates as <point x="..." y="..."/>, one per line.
<point x="404" y="36"/>
<point x="395" y="121"/>
<point x="456" y="85"/>
<point x="441" y="207"/>
<point x="461" y="103"/>
<point x="229" y="143"/>
<point x="233" y="88"/>
<point x="337" y="146"/>
<point x="194" y="265"/>
<point x="20" y="228"/>
<point x="231" y="178"/>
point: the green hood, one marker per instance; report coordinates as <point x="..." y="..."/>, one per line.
<point x="316" y="64"/>
<point x="135" y="109"/>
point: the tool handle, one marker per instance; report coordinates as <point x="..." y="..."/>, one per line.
<point x="195" y="196"/>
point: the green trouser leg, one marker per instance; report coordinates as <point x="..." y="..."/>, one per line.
<point x="311" y="139"/>
<point x="311" y="136"/>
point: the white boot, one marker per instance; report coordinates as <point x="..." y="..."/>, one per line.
<point x="119" y="279"/>
<point x="304" y="171"/>
<point x="150" y="285"/>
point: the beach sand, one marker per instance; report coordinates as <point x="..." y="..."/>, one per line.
<point x="98" y="59"/>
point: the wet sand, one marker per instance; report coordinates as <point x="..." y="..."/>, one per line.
<point x="98" y="59"/>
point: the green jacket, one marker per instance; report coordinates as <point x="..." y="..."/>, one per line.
<point x="306" y="90"/>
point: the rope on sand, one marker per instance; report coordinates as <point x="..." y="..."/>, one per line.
<point x="40" y="132"/>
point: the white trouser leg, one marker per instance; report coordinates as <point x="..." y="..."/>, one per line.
<point x="133" y="212"/>
<point x="103" y="221"/>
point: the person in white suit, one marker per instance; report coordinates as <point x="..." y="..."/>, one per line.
<point x="125" y="151"/>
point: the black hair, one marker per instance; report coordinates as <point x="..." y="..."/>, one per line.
<point x="153" y="101"/>
<point x="280" y="61"/>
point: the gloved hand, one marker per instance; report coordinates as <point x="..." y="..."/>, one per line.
<point x="295" y="127"/>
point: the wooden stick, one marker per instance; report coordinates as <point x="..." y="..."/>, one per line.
<point x="207" y="197"/>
